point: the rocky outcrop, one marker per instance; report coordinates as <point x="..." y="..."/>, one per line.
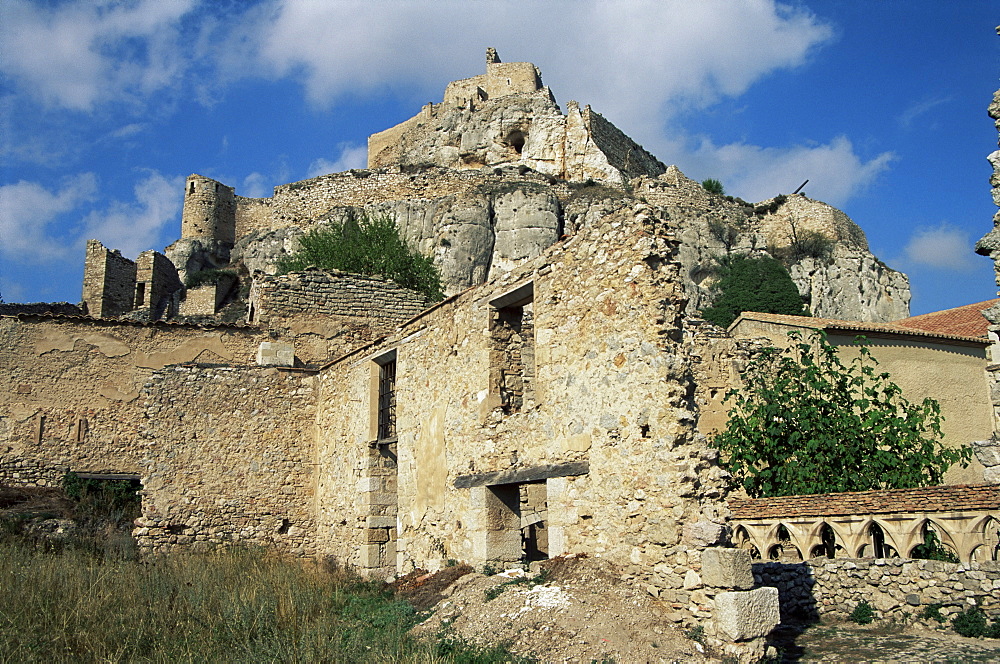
<point x="989" y="244"/>
<point x="505" y="117"/>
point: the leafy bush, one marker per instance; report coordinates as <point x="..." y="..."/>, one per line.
<point x="932" y="549"/>
<point x="863" y="613"/>
<point x="209" y="276"/>
<point x="369" y="245"/>
<point x="752" y="284"/>
<point x="772" y="207"/>
<point x="971" y="622"/>
<point x="933" y="612"/>
<point x="805" y="423"/>
<point x="713" y="186"/>
<point x="805" y="244"/>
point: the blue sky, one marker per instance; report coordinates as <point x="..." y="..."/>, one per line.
<point x="105" y="107"/>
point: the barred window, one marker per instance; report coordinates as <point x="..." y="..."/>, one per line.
<point x="387" y="400"/>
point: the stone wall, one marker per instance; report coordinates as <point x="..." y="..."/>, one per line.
<point x="156" y="280"/>
<point x="226" y="456"/>
<point x="209" y="210"/>
<point x="897" y="588"/>
<point x="70" y="389"/>
<point x="625" y="154"/>
<point x="330" y="313"/>
<point x="608" y="434"/>
<point x="108" y="281"/>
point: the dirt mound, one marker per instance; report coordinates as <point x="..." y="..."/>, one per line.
<point x="574" y="609"/>
<point x="423" y="589"/>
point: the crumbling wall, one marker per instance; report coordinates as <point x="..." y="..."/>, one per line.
<point x="252" y="214"/>
<point x="227" y="457"/>
<point x="609" y="431"/>
<point x="622" y="152"/>
<point x="108" y="281"/>
<point x="156" y="280"/>
<point x="330" y="313"/>
<point x="70" y="390"/>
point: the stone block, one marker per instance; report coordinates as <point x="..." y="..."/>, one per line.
<point x="380" y="521"/>
<point x="370" y="555"/>
<point x="275" y="354"/>
<point x="749" y="614"/>
<point x="704" y="533"/>
<point x="726" y="568"/>
<point x="379" y="535"/>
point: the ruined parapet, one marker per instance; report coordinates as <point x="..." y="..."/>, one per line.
<point x="156" y="281"/>
<point x="108" y="281"/>
<point x="209" y="210"/>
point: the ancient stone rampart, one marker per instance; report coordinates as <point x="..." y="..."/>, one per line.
<point x="70" y="389"/>
<point x="897" y="588"/>
<point x="209" y="210"/>
<point x="226" y="456"/>
<point x="621" y="151"/>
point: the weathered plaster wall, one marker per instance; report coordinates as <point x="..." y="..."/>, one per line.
<point x="70" y="389"/>
<point x="226" y="456"/>
<point x="610" y="392"/>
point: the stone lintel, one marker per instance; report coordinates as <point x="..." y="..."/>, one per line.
<point x="532" y="474"/>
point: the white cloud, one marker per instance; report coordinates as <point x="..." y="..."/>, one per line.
<point x="919" y="108"/>
<point x="835" y="172"/>
<point x="75" y="55"/>
<point x="256" y="185"/>
<point x="136" y="226"/>
<point x="27" y="213"/>
<point x="637" y="57"/>
<point x="944" y="247"/>
<point x="351" y="156"/>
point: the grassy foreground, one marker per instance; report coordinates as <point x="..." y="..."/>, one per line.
<point x="238" y="606"/>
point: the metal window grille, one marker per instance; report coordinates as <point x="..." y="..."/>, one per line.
<point x="387" y="400"/>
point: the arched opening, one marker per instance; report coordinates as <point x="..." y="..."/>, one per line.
<point x="516" y="139"/>
<point x="828" y="547"/>
<point x="784" y="550"/>
<point x="990" y="549"/>
<point x="931" y="546"/>
<point x="879" y="547"/>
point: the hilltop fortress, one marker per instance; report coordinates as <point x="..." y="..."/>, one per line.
<point x="556" y="402"/>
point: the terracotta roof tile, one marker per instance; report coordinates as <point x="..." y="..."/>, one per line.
<point x="967" y="320"/>
<point x="859" y="327"/>
<point x="928" y="499"/>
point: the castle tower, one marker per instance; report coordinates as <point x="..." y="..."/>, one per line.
<point x="209" y="210"/>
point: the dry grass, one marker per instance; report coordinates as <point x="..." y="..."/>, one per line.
<point x="236" y="606"/>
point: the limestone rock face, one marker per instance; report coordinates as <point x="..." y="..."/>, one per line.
<point x="852" y="285"/>
<point x="190" y="255"/>
<point x="523" y="128"/>
<point x="989" y="244"/>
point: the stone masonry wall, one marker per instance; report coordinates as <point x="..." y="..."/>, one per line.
<point x="329" y="313"/>
<point x="227" y="457"/>
<point x="609" y="432"/>
<point x="622" y="152"/>
<point x="897" y="588"/>
<point x="70" y="390"/>
<point x="108" y="281"/>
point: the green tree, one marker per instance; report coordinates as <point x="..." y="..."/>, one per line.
<point x="806" y="423"/>
<point x="752" y="284"/>
<point x="713" y="186"/>
<point x="366" y="244"/>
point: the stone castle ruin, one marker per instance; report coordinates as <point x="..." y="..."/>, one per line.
<point x="556" y="402"/>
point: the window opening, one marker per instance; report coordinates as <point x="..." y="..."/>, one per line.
<point x="512" y="359"/>
<point x="140" y="294"/>
<point x="878" y="544"/>
<point x="387" y="400"/>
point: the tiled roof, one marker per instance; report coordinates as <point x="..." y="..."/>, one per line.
<point x="929" y="499"/>
<point x="859" y="327"/>
<point x="966" y="321"/>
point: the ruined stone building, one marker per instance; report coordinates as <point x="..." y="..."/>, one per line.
<point x="557" y="401"/>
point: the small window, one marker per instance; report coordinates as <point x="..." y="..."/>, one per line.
<point x="384" y="397"/>
<point x="140" y="294"/>
<point x="191" y="189"/>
